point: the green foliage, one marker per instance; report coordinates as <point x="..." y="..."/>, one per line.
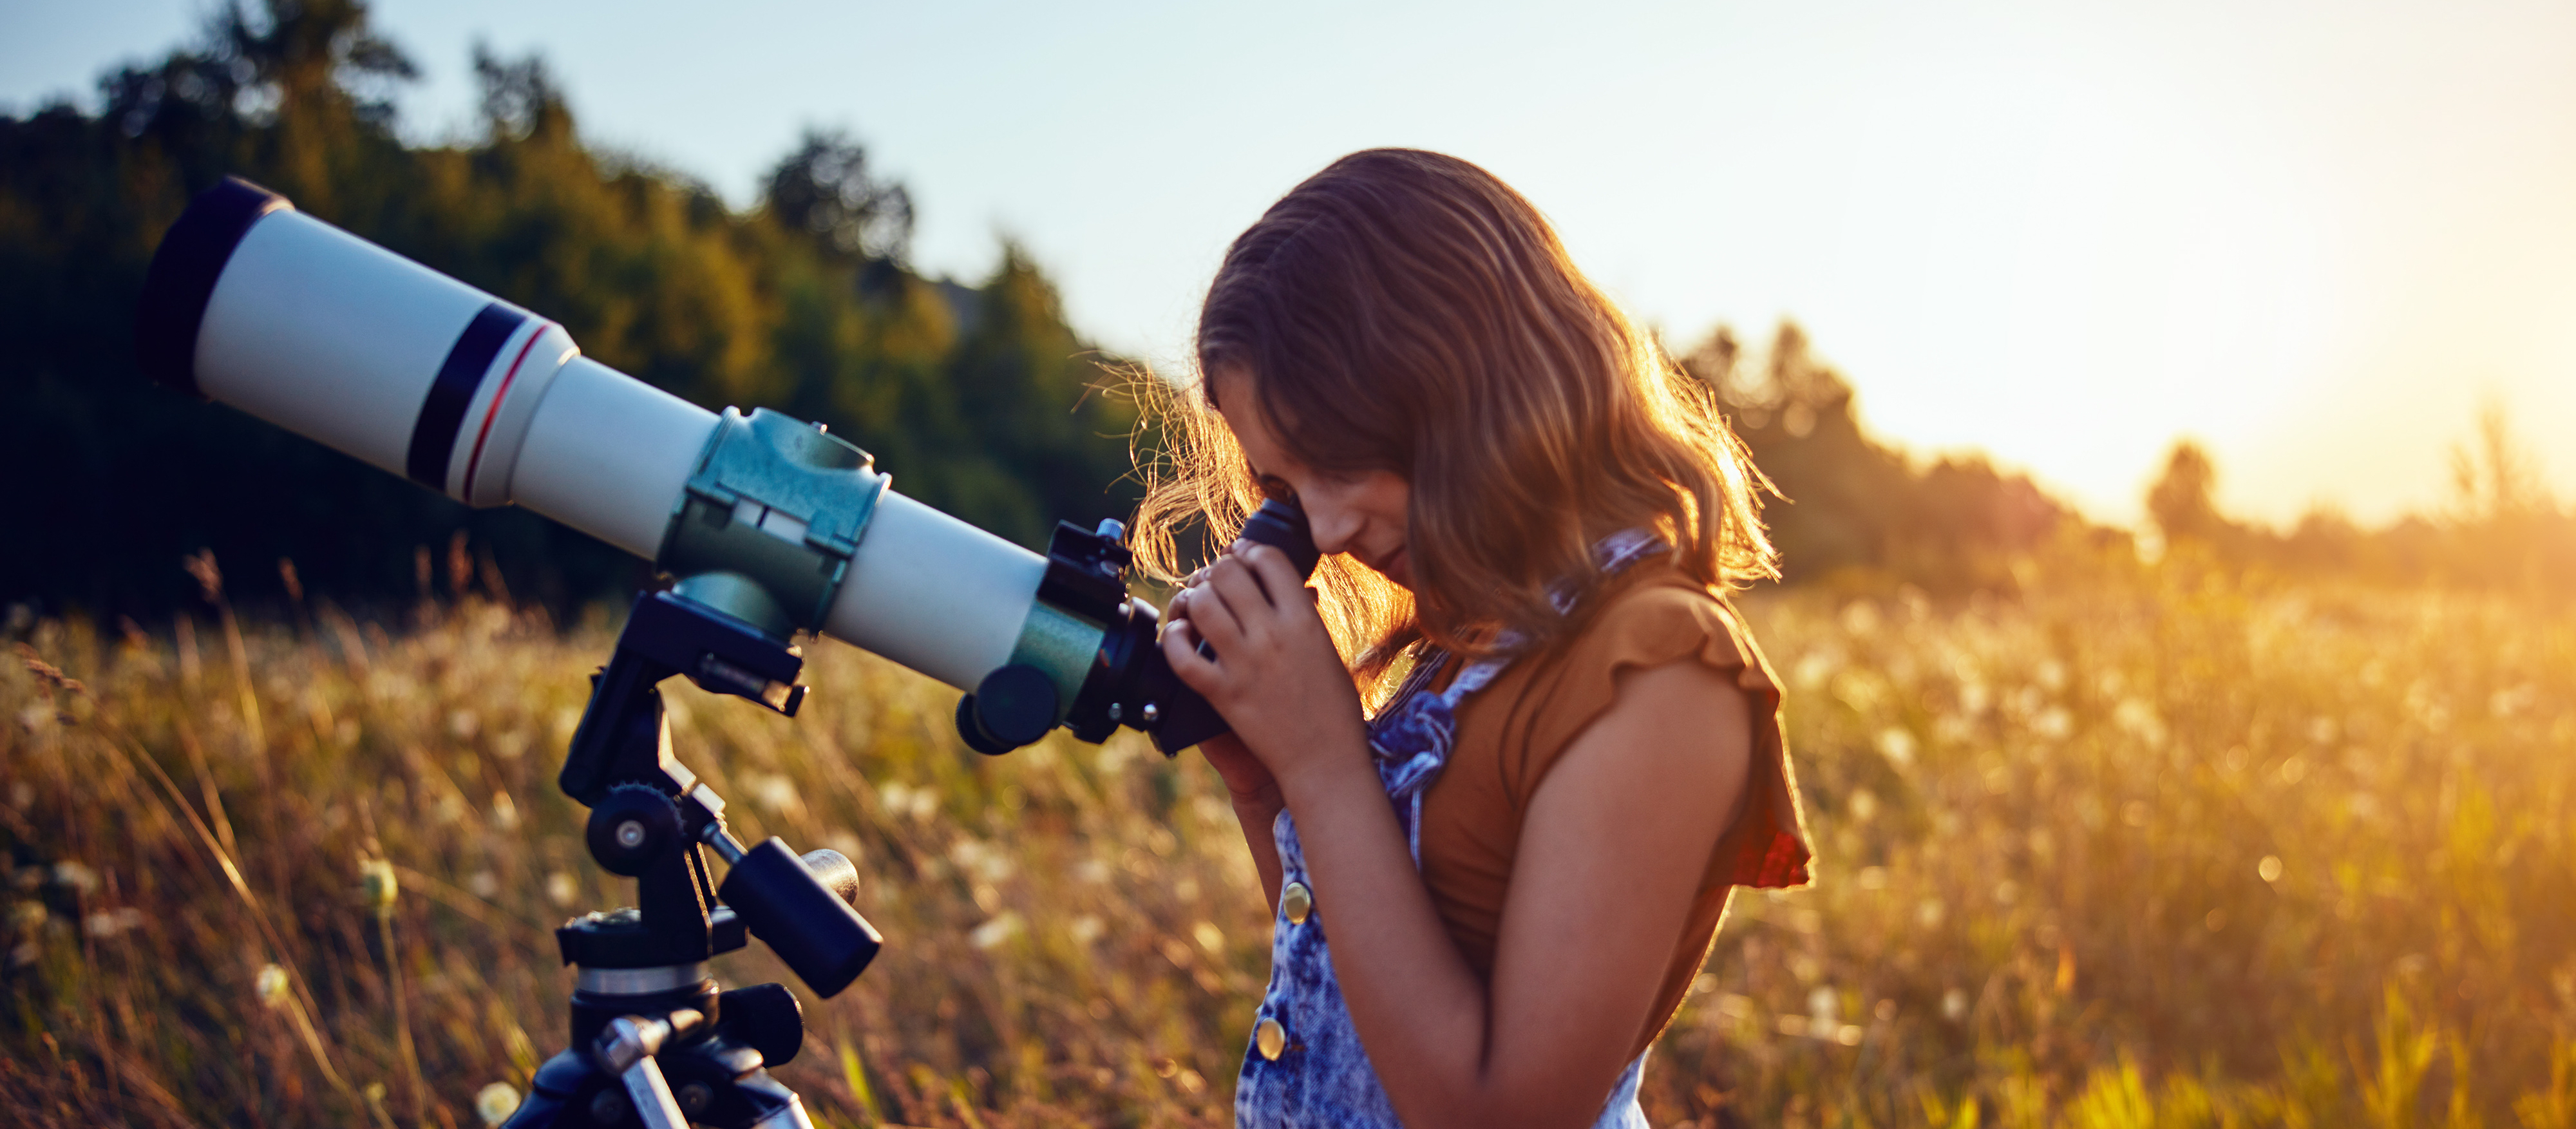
<point x="978" y="398"/>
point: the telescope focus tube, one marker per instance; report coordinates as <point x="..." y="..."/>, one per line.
<point x="256" y="305"/>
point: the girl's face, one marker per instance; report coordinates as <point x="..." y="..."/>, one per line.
<point x="1362" y="513"/>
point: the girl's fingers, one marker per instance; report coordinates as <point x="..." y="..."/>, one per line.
<point x="1271" y="567"/>
<point x="1181" y="645"/>
<point x="1181" y="648"/>
<point x="1213" y="611"/>
<point x="1234" y="583"/>
<point x="1214" y="618"/>
<point x="1197" y="671"/>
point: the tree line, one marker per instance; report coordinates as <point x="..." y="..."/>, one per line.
<point x="1858" y="512"/>
<point x="980" y="398"/>
<point x="2499" y="529"/>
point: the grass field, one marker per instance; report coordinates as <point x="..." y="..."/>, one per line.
<point x="2141" y="847"/>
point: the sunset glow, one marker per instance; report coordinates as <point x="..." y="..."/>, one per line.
<point x="2318" y="237"/>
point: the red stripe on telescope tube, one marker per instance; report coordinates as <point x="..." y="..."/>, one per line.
<point x="442" y="411"/>
<point x="474" y="462"/>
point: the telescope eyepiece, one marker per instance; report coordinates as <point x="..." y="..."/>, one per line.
<point x="1281" y="524"/>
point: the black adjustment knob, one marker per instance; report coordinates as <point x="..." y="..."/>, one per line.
<point x="631" y="827"/>
<point x="803" y="921"/>
<point x="1013" y="706"/>
<point x="765" y="1017"/>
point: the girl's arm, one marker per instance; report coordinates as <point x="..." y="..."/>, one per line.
<point x="1256" y="808"/>
<point x="1255" y="794"/>
<point x="1612" y="848"/>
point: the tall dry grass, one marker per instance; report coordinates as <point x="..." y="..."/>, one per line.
<point x="2144" y="847"/>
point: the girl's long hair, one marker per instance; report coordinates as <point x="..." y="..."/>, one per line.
<point x="1409" y="312"/>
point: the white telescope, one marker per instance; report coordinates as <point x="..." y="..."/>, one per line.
<point x="256" y="305"/>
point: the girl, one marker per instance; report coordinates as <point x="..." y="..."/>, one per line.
<point x="1529" y="518"/>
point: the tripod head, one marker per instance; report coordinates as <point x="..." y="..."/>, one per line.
<point x="653" y="1039"/>
<point x="649" y="814"/>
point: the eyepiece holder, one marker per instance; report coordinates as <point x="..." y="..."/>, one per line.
<point x="1099" y="646"/>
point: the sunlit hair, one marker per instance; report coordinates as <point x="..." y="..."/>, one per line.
<point x="1406" y="311"/>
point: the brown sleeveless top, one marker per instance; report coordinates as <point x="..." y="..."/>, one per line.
<point x="1510" y="734"/>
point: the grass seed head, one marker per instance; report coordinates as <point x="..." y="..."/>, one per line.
<point x="376" y="878"/>
<point x="271" y="986"/>
<point x="496" y="1102"/>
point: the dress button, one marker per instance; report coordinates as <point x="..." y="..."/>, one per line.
<point x="1296" y="901"/>
<point x="1270" y="1038"/>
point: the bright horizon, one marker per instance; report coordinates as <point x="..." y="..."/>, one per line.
<point x="2316" y="237"/>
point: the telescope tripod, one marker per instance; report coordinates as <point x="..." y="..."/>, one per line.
<point x="654" y="1041"/>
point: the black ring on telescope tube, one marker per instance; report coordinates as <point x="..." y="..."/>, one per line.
<point x="183" y="276"/>
<point x="433" y="432"/>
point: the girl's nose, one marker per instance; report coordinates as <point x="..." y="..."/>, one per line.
<point x="1334" y="528"/>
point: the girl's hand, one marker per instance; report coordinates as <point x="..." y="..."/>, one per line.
<point x="1246" y="778"/>
<point x="1276" y="678"/>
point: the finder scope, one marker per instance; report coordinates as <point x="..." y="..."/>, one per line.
<point x="759" y="517"/>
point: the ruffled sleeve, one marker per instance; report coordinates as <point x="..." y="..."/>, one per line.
<point x="1664" y="618"/>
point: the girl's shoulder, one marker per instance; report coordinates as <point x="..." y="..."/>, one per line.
<point x="1657" y="612"/>
<point x="1649" y="616"/>
<point x="1514" y="731"/>
<point x="1652" y="615"/>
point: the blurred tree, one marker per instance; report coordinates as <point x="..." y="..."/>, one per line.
<point x="519" y="99"/>
<point x="2500" y="530"/>
<point x="2183" y="502"/>
<point x="1851" y="505"/>
<point x="825" y="189"/>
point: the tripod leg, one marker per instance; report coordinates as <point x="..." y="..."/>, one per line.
<point x="786" y="1110"/>
<point x="728" y="1087"/>
<point x="652" y="1095"/>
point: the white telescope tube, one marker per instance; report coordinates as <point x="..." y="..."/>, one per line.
<point x="934" y="593"/>
<point x="607" y="454"/>
<point x="295" y="321"/>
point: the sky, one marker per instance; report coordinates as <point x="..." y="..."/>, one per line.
<point x="2319" y="238"/>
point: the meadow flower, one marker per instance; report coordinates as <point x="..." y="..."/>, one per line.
<point x="376" y="880"/>
<point x="496" y="1102"/>
<point x="272" y="987"/>
<point x="992" y="933"/>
